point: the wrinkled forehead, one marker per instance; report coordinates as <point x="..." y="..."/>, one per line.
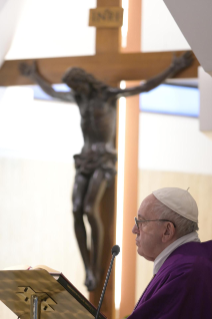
<point x="146" y="209"/>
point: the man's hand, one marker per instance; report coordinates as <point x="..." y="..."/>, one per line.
<point x="182" y="62"/>
<point x="28" y="70"/>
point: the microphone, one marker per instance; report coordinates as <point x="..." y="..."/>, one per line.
<point x="115" y="252"/>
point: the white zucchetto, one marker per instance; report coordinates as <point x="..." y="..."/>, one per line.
<point x="179" y="200"/>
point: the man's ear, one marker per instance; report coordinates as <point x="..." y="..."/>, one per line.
<point x="169" y="232"/>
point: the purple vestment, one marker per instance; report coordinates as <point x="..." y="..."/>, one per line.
<point x="182" y="288"/>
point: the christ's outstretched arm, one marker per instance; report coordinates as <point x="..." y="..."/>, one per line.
<point x="177" y="65"/>
<point x="31" y="71"/>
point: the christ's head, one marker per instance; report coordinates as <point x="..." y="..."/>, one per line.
<point x="82" y="82"/>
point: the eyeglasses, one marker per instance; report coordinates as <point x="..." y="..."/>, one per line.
<point x="137" y="221"/>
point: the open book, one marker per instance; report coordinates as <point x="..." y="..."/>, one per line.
<point x="74" y="304"/>
<point x="27" y="267"/>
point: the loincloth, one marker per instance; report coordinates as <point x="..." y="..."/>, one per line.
<point x="98" y="158"/>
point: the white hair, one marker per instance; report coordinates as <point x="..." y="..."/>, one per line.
<point x="183" y="225"/>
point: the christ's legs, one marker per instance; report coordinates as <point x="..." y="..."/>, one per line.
<point x="95" y="191"/>
<point x="79" y="191"/>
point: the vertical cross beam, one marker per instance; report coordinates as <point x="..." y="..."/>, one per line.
<point x="108" y="40"/>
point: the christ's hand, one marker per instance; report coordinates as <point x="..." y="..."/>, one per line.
<point x="182" y="62"/>
<point x="28" y="70"/>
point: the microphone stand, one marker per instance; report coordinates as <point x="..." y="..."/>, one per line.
<point x="105" y="284"/>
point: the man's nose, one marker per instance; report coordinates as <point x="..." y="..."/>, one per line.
<point x="135" y="229"/>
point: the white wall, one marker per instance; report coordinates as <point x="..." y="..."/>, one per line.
<point x="36" y="129"/>
<point x="173" y="143"/>
<point x="159" y="30"/>
<point x="52" y="28"/>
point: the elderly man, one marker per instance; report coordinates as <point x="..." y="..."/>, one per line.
<point x="165" y="230"/>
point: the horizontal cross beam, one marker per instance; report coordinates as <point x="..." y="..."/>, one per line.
<point x="110" y="68"/>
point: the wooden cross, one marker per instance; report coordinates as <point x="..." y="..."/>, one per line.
<point x="110" y="66"/>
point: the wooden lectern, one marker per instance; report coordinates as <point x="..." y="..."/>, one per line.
<point x="37" y="294"/>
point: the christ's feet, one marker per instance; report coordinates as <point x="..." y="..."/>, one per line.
<point x="90" y="280"/>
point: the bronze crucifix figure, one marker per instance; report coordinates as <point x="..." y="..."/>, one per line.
<point x="95" y="165"/>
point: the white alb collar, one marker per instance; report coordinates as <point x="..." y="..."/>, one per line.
<point x="168" y="250"/>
